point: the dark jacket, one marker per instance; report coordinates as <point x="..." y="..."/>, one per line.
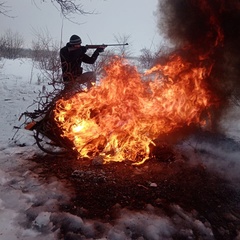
<point x="71" y="60"/>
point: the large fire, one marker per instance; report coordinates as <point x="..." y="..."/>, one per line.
<point x="122" y="116"/>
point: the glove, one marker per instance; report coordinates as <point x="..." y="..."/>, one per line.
<point x="83" y="49"/>
<point x="100" y="49"/>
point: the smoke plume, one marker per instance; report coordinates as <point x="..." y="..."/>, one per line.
<point x="207" y="32"/>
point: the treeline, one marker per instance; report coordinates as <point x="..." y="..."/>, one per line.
<point x="13" y="53"/>
<point x="12" y="47"/>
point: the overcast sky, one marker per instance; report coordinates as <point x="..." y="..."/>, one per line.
<point x="134" y="18"/>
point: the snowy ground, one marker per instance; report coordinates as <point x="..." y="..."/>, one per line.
<point x="29" y="209"/>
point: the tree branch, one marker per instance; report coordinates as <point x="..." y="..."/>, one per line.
<point x="4" y="9"/>
<point x="69" y="7"/>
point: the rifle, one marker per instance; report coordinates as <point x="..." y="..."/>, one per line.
<point x="105" y="45"/>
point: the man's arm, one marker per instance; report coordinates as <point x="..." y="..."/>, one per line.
<point x="93" y="58"/>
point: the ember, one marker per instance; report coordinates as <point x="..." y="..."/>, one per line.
<point x="121" y="118"/>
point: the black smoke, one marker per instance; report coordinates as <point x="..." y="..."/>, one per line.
<point x="207" y="31"/>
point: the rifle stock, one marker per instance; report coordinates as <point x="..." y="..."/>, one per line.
<point x="105" y="45"/>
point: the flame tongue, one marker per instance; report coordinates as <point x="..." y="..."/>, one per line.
<point x="122" y="116"/>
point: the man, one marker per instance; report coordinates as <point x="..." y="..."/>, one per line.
<point x="72" y="55"/>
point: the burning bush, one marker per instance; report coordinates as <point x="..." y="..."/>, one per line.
<point x="121" y="118"/>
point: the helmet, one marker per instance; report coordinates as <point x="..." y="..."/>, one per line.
<point x="75" y="40"/>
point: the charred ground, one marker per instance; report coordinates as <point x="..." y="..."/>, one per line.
<point x="100" y="190"/>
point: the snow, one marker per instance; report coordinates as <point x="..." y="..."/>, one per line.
<point x="29" y="208"/>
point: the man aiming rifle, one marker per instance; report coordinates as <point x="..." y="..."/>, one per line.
<point x="73" y="54"/>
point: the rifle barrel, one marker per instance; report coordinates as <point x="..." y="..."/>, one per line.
<point x="117" y="44"/>
<point x="106" y="45"/>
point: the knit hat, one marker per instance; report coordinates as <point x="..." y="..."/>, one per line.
<point x="75" y="40"/>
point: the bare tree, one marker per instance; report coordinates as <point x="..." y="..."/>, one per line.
<point x="4" y="9"/>
<point x="123" y="51"/>
<point x="68" y="7"/>
<point x="46" y="56"/>
<point x="11" y="44"/>
<point x="147" y="58"/>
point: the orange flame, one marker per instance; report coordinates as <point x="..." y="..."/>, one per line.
<point x="122" y="116"/>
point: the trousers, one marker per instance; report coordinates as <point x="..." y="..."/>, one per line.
<point x="83" y="82"/>
<point x="87" y="78"/>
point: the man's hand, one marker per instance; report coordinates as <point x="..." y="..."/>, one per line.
<point x="100" y="49"/>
